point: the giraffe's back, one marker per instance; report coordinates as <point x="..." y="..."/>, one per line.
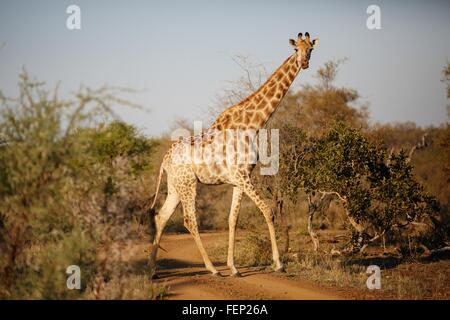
<point x="183" y="159"/>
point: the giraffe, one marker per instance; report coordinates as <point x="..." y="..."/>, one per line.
<point x="182" y="176"/>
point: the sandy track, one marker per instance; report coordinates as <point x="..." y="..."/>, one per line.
<point x="182" y="270"/>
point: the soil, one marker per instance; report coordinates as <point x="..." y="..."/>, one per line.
<point x="181" y="269"/>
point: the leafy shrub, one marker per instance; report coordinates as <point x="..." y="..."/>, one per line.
<point x="67" y="187"/>
<point x="379" y="191"/>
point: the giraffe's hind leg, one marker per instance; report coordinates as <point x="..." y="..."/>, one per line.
<point x="188" y="194"/>
<point x="232" y="222"/>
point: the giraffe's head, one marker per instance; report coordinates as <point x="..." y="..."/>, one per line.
<point x="303" y="48"/>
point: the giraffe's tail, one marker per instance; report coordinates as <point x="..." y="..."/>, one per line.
<point x="161" y="170"/>
<point x="148" y="216"/>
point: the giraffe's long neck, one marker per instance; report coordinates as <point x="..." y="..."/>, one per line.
<point x="254" y="111"/>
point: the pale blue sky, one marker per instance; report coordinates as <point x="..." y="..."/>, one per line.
<point x="178" y="52"/>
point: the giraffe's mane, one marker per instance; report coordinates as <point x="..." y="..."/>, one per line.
<point x="267" y="81"/>
<point x="242" y="104"/>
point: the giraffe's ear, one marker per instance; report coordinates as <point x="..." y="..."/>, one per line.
<point x="314" y="42"/>
<point x="293" y="43"/>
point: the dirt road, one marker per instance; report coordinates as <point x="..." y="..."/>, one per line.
<point x="182" y="270"/>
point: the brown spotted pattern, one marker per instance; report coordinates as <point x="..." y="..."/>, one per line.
<point x="182" y="177"/>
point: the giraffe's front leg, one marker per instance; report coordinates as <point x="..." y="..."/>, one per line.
<point x="232" y="222"/>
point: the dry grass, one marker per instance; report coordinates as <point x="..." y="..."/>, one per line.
<point x="420" y="278"/>
<point x="129" y="287"/>
<point x="251" y="251"/>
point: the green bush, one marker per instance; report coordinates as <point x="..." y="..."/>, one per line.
<point x="68" y="186"/>
<point x="379" y="191"/>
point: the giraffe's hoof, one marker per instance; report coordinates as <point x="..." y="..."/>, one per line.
<point x="236" y="275"/>
<point x="280" y="270"/>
